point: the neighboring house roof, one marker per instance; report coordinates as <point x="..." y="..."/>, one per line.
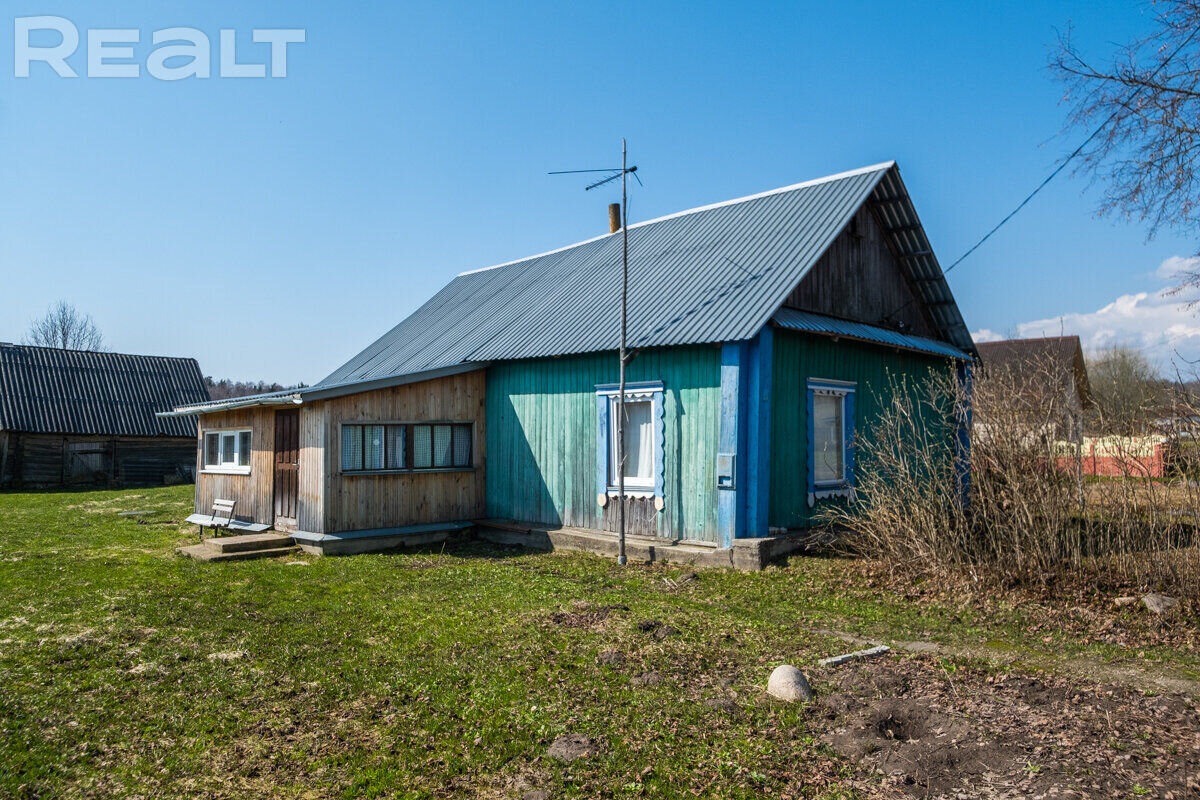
<point x="711" y="274"/>
<point x="47" y="390"/>
<point x="809" y="322"/>
<point x="1052" y="358"/>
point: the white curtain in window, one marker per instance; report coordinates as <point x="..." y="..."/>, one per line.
<point x="422" y="446"/>
<point x="828" y="447"/>
<point x="228" y="448"/>
<point x="351" y="447"/>
<point x="441" y="446"/>
<point x="244" y="449"/>
<point x="373" y="447"/>
<point x="462" y="445"/>
<point x="639" y="443"/>
<point x="212" y="449"/>
<point x="395" y="447"/>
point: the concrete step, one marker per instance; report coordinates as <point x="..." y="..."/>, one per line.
<point x="248" y="542"/>
<point x="637" y="548"/>
<point x="202" y="552"/>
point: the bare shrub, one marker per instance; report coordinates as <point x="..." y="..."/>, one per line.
<point x="1033" y="519"/>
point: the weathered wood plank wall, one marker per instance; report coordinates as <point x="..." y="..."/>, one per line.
<point x="542" y="440"/>
<point x="799" y="357"/>
<point x="361" y="502"/>
<point x="253" y="492"/>
<point x="858" y="278"/>
<point x="45" y="459"/>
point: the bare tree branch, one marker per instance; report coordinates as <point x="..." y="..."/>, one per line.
<point x="66" y="328"/>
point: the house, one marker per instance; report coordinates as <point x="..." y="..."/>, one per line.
<point x="70" y="417"/>
<point x="1046" y="376"/>
<point x="764" y="333"/>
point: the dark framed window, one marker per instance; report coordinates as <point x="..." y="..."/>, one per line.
<point x="407" y="447"/>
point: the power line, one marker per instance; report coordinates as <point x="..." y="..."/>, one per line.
<point x="1058" y="169"/>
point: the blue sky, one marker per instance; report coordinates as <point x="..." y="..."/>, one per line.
<point x="272" y="228"/>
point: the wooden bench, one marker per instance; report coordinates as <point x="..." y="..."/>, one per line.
<point x="221" y="518"/>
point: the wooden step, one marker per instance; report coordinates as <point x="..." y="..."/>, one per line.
<point x="202" y="552"/>
<point x="248" y="542"/>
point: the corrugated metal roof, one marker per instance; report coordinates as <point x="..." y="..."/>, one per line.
<point x="711" y="274"/>
<point x="809" y="322"/>
<point x="47" y="390"/>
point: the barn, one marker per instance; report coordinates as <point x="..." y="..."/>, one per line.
<point x="764" y="332"/>
<point x="76" y="417"/>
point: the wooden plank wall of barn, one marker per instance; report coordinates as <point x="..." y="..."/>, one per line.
<point x="43" y="460"/>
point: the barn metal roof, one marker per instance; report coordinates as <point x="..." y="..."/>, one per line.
<point x="809" y="322"/>
<point x="47" y="390"/>
<point x="711" y="274"/>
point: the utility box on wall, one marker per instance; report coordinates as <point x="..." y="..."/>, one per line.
<point x="726" y="463"/>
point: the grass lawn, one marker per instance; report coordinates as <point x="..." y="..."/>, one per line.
<point x="129" y="671"/>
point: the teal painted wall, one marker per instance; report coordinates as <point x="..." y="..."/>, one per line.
<point x="799" y="357"/>
<point x="541" y="437"/>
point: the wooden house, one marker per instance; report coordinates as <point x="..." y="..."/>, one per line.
<point x="764" y="333"/>
<point x="72" y="417"/>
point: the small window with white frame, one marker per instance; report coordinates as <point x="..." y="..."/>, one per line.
<point x="227" y="451"/>
<point x="643" y="439"/>
<point x="830" y="439"/>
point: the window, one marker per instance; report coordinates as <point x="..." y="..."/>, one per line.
<point x="227" y="451"/>
<point x="404" y="447"/>
<point x="830" y="439"/>
<point x="643" y="440"/>
<point x="639" y="445"/>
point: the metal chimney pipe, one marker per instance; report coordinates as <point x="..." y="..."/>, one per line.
<point x="614" y="217"/>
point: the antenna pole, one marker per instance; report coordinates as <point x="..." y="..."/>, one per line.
<point x="621" y="391"/>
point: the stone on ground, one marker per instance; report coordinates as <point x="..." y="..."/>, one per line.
<point x="789" y="684"/>
<point x="1127" y="600"/>
<point x="1159" y="603"/>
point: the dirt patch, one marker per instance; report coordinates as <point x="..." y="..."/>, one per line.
<point x="585" y="615"/>
<point x="934" y="730"/>
<point x="572" y="746"/>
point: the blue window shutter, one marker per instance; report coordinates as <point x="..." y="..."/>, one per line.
<point x="848" y="423"/>
<point x="602" y="406"/>
<point x="812" y="463"/>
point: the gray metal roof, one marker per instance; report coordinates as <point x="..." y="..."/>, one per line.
<point x="47" y="390"/>
<point x="712" y="274"/>
<point x="808" y="322"/>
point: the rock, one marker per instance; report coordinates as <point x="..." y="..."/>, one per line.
<point x="610" y="657"/>
<point x="1122" y="602"/>
<point x="572" y="746"/>
<point x="789" y="684"/>
<point x="1159" y="603"/>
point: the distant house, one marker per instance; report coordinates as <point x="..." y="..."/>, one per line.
<point x="765" y="331"/>
<point x="72" y="417"/>
<point x="1047" y="375"/>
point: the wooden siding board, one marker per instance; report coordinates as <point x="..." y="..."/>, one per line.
<point x="254" y="492"/>
<point x="543" y="445"/>
<point x="365" y="502"/>
<point x="858" y="278"/>
<point x="799" y="357"/>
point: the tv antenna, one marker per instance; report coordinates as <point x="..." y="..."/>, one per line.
<point x="623" y="172"/>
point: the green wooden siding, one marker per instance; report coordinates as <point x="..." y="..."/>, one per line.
<point x="799" y="357"/>
<point x="541" y="437"/>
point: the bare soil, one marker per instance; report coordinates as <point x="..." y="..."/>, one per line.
<point x="936" y="730"/>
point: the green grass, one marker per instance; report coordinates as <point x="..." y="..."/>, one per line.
<point x="418" y="674"/>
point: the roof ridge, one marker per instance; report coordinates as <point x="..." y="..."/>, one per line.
<point x="16" y="346"/>
<point x="768" y="193"/>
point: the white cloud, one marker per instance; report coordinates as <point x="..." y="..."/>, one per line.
<point x="1159" y="322"/>
<point x="985" y="335"/>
